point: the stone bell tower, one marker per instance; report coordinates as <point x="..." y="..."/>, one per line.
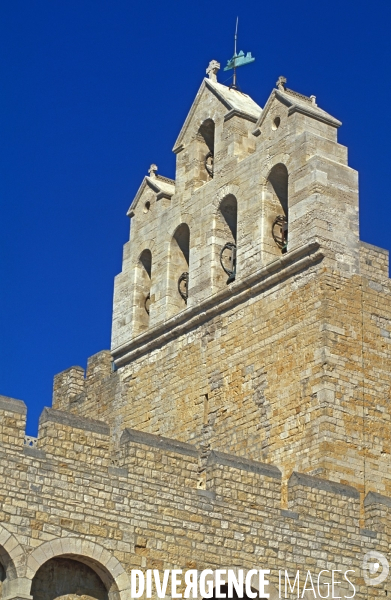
<point x="248" y="316"/>
<point x="241" y="418"/>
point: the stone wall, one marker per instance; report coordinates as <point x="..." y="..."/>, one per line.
<point x="292" y="370"/>
<point x="245" y="426"/>
<point x="156" y="510"/>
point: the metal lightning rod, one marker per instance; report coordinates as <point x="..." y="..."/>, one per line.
<point x="235" y="44"/>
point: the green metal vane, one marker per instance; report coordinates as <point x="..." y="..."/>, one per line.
<point x="238" y="60"/>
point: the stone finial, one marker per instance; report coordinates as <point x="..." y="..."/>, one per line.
<point x="212" y="69"/>
<point x="281" y="83"/>
<point x="152" y="171"/>
<point x="313" y="100"/>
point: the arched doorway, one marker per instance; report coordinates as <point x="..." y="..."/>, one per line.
<point x="10" y="554"/>
<point x="63" y="578"/>
<point x="2" y="578"/>
<point x="112" y="583"/>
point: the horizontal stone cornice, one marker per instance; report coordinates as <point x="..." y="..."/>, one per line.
<point x="238" y="292"/>
<point x="374" y="498"/>
<point x="323" y="484"/>
<point x="51" y="415"/>
<point x="244" y="464"/>
<point x="12" y="405"/>
<point x="238" y="113"/>
<point x="157" y="441"/>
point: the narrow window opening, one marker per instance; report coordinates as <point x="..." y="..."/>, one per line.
<point x="276" y="123"/>
<point x="206" y="409"/>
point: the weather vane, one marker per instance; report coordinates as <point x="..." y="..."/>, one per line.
<point x="238" y="60"/>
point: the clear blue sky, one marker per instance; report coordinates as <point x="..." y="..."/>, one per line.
<point x="92" y="92"/>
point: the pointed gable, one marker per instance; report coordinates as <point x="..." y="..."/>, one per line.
<point x="163" y="187"/>
<point x="295" y="103"/>
<point x="234" y="102"/>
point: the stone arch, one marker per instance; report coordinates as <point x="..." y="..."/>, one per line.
<point x="11" y="553"/>
<point x="282" y="157"/>
<point x="94" y="556"/>
<point x="225" y="190"/>
<point x="11" y="563"/>
<point x="68" y="578"/>
<point x="178" y="269"/>
<point x="185" y="217"/>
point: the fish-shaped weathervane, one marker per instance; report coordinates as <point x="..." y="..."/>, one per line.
<point x="238" y="60"/>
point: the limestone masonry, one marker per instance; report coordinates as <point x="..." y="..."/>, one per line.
<point x="242" y="416"/>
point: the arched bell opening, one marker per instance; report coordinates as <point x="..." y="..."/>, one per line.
<point x="178" y="270"/>
<point x="205" y="151"/>
<point x="72" y="578"/>
<point x="142" y="301"/>
<point x="226" y="240"/>
<point x="275" y="210"/>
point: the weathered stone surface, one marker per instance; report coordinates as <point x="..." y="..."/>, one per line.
<point x="245" y="425"/>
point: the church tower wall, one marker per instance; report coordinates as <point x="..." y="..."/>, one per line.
<point x="242" y="414"/>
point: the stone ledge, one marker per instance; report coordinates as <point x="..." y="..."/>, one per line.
<point x="289" y="514"/>
<point x="239" y="291"/>
<point x="13" y="405"/>
<point x="73" y="368"/>
<point x="157" y="441"/>
<point x="118" y="472"/>
<point x="34" y="452"/>
<point x="374" y="498"/>
<point x="323" y="484"/>
<point x="374" y="248"/>
<point x="235" y="112"/>
<point x="368" y="533"/>
<point x="208" y="494"/>
<point x="58" y="416"/>
<point x="244" y="464"/>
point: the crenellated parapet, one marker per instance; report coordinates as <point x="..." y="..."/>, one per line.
<point x="86" y="392"/>
<point x="12" y="421"/>
<point x="86" y="443"/>
<point x="233" y="514"/>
